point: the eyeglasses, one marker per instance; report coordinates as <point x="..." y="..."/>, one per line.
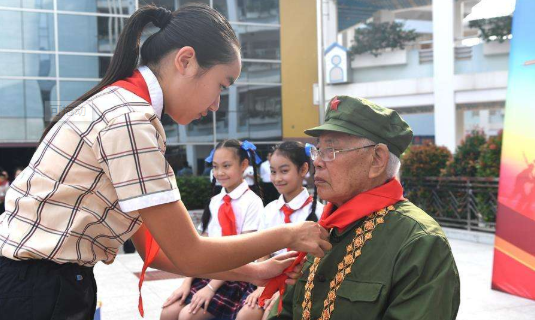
<point x="329" y="154"/>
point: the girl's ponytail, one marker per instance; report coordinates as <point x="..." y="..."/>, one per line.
<point x="257" y="187"/>
<point x="312" y="215"/>
<point x="205" y="219"/>
<point x="126" y="56"/>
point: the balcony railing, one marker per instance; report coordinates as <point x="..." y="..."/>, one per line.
<point x="466" y="203"/>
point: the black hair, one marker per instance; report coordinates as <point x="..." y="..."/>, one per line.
<point x="242" y="155"/>
<point x="196" y="25"/>
<point x="296" y="153"/>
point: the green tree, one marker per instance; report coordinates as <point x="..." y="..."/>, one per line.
<point x="195" y="191"/>
<point x="494" y="28"/>
<point x="424" y="161"/>
<point x="490" y="157"/>
<point x="375" y="37"/>
<point x="466" y="158"/>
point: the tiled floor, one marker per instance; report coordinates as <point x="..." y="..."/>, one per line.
<point x="119" y="295"/>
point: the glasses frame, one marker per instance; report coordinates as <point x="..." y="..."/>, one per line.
<point x="315" y="152"/>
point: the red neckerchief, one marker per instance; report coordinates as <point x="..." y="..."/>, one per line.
<point x="135" y="84"/>
<point x="138" y="86"/>
<point x="287" y="211"/>
<point x="226" y="216"/>
<point x="355" y="209"/>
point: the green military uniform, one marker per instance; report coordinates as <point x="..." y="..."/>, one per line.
<point x="395" y="264"/>
<point x="406" y="271"/>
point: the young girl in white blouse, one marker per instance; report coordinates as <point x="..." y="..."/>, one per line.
<point x="235" y="210"/>
<point x="289" y="165"/>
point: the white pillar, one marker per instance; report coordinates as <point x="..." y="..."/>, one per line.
<point x="232" y="9"/>
<point x="443" y="67"/>
<point x="233" y="101"/>
<point x="191" y="156"/>
<point x="330" y="22"/>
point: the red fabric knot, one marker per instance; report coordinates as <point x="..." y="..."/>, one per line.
<point x="287" y="213"/>
<point x="334" y="103"/>
<point x="226" y="217"/>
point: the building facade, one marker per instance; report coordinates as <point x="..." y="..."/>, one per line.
<point x="446" y="83"/>
<point x="53" y="51"/>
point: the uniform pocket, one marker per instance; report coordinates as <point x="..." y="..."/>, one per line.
<point x="15" y="295"/>
<point x="357" y="291"/>
<point x="76" y="298"/>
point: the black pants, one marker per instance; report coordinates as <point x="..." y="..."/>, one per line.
<point x="41" y="289"/>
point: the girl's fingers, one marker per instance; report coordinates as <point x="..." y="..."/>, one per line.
<point x="183" y="299"/>
<point x="197" y="307"/>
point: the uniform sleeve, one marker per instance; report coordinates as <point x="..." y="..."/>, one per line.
<point x="252" y="220"/>
<point x="425" y="283"/>
<point x="131" y="152"/>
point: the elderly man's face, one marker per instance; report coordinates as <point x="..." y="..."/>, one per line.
<point x="347" y="175"/>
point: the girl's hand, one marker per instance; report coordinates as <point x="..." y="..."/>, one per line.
<point x="296" y="273"/>
<point x="252" y="299"/>
<point x="201" y="299"/>
<point x="179" y="294"/>
<point x="273" y="267"/>
<point x="309" y="237"/>
<point x="271" y="302"/>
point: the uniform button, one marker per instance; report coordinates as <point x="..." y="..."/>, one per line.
<point x="321" y="278"/>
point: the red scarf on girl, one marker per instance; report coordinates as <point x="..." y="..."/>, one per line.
<point x="138" y="86"/>
<point x="355" y="209"/>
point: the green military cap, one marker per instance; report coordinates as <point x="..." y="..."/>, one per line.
<point x="363" y="118"/>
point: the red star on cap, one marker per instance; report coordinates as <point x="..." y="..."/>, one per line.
<point x="334" y="104"/>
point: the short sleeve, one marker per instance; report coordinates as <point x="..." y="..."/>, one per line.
<point x="253" y="216"/>
<point x="131" y="151"/>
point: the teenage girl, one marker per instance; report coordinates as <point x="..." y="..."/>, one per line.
<point x="99" y="177"/>
<point x="289" y="165"/>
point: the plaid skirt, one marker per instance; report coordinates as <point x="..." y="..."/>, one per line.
<point x="227" y="300"/>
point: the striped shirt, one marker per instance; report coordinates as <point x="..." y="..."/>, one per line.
<point x="77" y="200"/>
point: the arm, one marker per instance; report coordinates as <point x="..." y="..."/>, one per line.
<point x="173" y="230"/>
<point x="425" y="282"/>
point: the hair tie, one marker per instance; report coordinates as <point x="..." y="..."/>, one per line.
<point x="210" y="157"/>
<point x="250" y="148"/>
<point x="308" y="148"/>
<point x="162" y="18"/>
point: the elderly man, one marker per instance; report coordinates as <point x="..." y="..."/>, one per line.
<point x="389" y="260"/>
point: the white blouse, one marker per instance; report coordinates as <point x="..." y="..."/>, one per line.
<point x="274" y="216"/>
<point x="247" y="206"/>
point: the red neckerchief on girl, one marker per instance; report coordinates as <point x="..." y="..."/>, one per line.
<point x="226" y="216"/>
<point x="355" y="209"/>
<point x="138" y="86"/>
<point x="287" y="211"/>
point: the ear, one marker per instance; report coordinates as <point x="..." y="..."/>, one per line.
<point x="244" y="164"/>
<point x="380" y="158"/>
<point x="186" y="61"/>
<point x="304" y="170"/>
